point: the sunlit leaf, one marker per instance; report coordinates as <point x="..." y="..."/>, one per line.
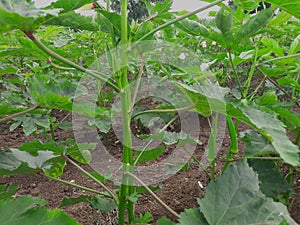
<point x="19" y="14"/>
<point x="31" y="210"/>
<point x="235" y="199"/>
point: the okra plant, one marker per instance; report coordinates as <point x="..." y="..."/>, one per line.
<point x="102" y="80"/>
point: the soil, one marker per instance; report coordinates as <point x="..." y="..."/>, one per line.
<point x="180" y="191"/>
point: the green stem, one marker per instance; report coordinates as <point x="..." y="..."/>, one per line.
<point x="154" y="195"/>
<point x="260" y="158"/>
<point x="115" y="198"/>
<point x="162" y="111"/>
<point x="127" y="184"/>
<point x="257" y="88"/>
<point x="283" y="57"/>
<point x="212" y="165"/>
<point x="68" y="62"/>
<point x="78" y="186"/>
<point x="235" y="74"/>
<point x="7" y="118"/>
<point x="179" y="19"/>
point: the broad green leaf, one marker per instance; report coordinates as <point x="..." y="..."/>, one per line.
<point x="35" y="146"/>
<point x="290" y="119"/>
<point x="192" y="217"/>
<point x="8" y="190"/>
<point x="269" y="99"/>
<point x="290" y="6"/>
<point x="13" y="159"/>
<point x="288" y="81"/>
<point x="6" y="108"/>
<point x="105" y="205"/>
<point x="282" y="17"/>
<point x="193" y="27"/>
<point x="224" y="23"/>
<point x="110" y="22"/>
<point x="148" y="154"/>
<point x="271" y="182"/>
<point x="256" y="144"/>
<point x="143" y="218"/>
<point x="254" y="24"/>
<point x="248" y="5"/>
<point x="164" y="221"/>
<point x="235" y="199"/>
<point x="31" y="210"/>
<point x="19" y="14"/>
<point x="274" y="130"/>
<point x="74" y="21"/>
<point x="273" y="45"/>
<point x="72" y="201"/>
<point x="211" y="98"/>
<point x="158" y="8"/>
<point x="68" y="5"/>
<point x="80" y="152"/>
<point x="54" y="167"/>
<point x="174" y="168"/>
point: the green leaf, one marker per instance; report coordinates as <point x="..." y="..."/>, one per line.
<point x="68" y="5"/>
<point x="254" y="24"/>
<point x="256" y="144"/>
<point x="80" y="152"/>
<point x="8" y="190"/>
<point x="110" y="22"/>
<point x="6" y="108"/>
<point x="235" y="199"/>
<point x="30" y="210"/>
<point x="211" y="98"/>
<point x="13" y="159"/>
<point x="148" y="154"/>
<point x="224" y="23"/>
<point x="19" y="14"/>
<point x="174" y="168"/>
<point x="290" y="6"/>
<point x="192" y="217"/>
<point x="164" y="221"/>
<point x="72" y="201"/>
<point x="248" y="5"/>
<point x="271" y="182"/>
<point x="74" y="21"/>
<point x="289" y="82"/>
<point x="159" y="8"/>
<point x="105" y="205"/>
<point x="192" y="27"/>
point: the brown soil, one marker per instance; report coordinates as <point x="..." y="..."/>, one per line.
<point x="179" y="191"/>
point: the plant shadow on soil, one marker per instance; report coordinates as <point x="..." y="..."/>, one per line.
<point x="180" y="191"/>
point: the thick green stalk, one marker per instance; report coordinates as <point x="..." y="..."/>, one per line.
<point x="125" y="96"/>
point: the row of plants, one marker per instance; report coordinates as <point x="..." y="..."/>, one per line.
<point x="238" y="67"/>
